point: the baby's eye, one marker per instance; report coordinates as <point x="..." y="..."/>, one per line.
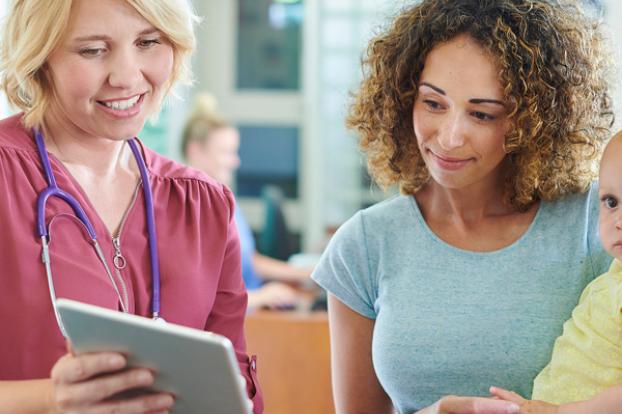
<point x="610" y="201"/>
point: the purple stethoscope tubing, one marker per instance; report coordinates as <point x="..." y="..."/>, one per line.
<point x="52" y="190"/>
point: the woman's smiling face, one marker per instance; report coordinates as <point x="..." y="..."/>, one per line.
<point x="109" y="71"/>
<point x="459" y="117"/>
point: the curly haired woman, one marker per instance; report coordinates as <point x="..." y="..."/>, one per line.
<point x="490" y="116"/>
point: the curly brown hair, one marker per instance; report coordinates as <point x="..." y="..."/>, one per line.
<point x="553" y="67"/>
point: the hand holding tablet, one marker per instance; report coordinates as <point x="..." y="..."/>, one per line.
<point x="199" y="368"/>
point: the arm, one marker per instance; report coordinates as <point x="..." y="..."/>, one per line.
<point x="607" y="402"/>
<point x="24" y="397"/>
<point x="83" y="384"/>
<point x="273" y="295"/>
<point x="229" y="308"/>
<point x="270" y="268"/>
<point x="355" y="386"/>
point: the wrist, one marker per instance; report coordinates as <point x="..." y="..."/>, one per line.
<point x="50" y="401"/>
<point x="432" y="409"/>
<point x="578" y="407"/>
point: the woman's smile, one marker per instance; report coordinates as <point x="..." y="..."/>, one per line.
<point x="449" y="163"/>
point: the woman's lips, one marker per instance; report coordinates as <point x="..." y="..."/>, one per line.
<point x="449" y="163"/>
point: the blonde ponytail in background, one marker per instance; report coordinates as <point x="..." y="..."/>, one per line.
<point x="204" y="119"/>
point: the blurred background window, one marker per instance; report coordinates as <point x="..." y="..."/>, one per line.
<point x="268" y="156"/>
<point x="269" y="37"/>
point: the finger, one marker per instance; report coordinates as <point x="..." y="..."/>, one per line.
<point x="104" y="387"/>
<point x="507" y="395"/>
<point x="148" y="403"/>
<point x="475" y="405"/>
<point x="69" y="347"/>
<point x="70" y="369"/>
<point x="490" y="406"/>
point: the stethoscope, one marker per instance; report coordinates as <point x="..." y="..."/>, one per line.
<point x="52" y="190"/>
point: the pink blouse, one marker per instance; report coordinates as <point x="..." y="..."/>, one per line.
<point x="199" y="253"/>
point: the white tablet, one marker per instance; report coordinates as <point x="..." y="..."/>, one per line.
<point x="198" y="367"/>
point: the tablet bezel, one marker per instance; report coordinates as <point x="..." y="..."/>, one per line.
<point x="198" y="367"/>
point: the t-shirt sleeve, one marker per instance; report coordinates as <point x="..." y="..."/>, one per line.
<point x="344" y="269"/>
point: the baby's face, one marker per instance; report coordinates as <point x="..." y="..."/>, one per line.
<point x="610" y="194"/>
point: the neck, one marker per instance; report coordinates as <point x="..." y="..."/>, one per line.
<point x="465" y="205"/>
<point x="80" y="151"/>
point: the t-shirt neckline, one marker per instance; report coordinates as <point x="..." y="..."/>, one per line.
<point x="515" y="244"/>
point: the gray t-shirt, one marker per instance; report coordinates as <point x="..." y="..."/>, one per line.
<point x="450" y="321"/>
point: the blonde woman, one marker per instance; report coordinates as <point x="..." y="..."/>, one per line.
<point x="124" y="228"/>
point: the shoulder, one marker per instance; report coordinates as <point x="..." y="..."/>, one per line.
<point x="574" y="212"/>
<point x="585" y="201"/>
<point x="164" y="167"/>
<point x="386" y="217"/>
<point x="604" y="294"/>
<point x="574" y="219"/>
<point x="191" y="186"/>
<point x="13" y="134"/>
<point x="389" y="212"/>
<point x="574" y="215"/>
<point x="370" y="226"/>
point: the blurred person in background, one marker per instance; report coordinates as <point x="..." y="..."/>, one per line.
<point x="210" y="144"/>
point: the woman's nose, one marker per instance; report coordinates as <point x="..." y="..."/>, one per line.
<point x="125" y="69"/>
<point x="451" y="135"/>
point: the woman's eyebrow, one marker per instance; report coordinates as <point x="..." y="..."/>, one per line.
<point x="486" y="100"/>
<point x="149" y="30"/>
<point x="436" y="88"/>
<point x="474" y="100"/>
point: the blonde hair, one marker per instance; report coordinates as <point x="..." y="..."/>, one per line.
<point x="34" y="28"/>
<point x="202" y="122"/>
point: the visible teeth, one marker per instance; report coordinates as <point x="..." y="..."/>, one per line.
<point x="124" y="104"/>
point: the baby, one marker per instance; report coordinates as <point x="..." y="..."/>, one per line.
<point x="585" y="372"/>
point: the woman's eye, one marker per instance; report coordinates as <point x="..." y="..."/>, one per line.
<point x="92" y="52"/>
<point x="483" y="116"/>
<point x="147" y="43"/>
<point x="432" y="104"/>
<point x="610" y="202"/>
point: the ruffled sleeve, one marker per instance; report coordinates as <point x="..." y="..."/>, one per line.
<point x="225" y="317"/>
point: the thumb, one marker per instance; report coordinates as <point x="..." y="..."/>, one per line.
<point x="69" y="347"/>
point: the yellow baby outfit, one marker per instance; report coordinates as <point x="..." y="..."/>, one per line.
<point x="587" y="357"/>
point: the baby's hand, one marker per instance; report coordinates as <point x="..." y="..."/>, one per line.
<point x="526" y="406"/>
